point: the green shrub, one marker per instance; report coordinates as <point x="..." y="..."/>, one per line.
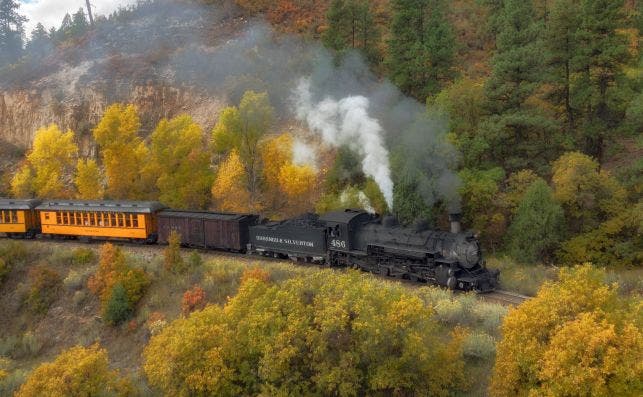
<point x="13" y="252"/>
<point x="83" y="257"/>
<point x="173" y="261"/>
<point x="12" y="381"/>
<point x="195" y="260"/>
<point x="479" y="346"/>
<point x="75" y="280"/>
<point x="79" y="298"/>
<point x="489" y="316"/>
<point x="118" y="308"/>
<point x="44" y="286"/>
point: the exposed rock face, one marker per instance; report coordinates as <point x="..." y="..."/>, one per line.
<point x="78" y="107"/>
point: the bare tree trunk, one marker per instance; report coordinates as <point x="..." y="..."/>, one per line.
<point x="89" y="12"/>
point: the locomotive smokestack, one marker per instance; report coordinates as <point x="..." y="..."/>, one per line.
<point x="454" y="219"/>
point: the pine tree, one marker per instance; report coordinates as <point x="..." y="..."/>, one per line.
<point x="40" y="43"/>
<point x="11" y="32"/>
<point x="351" y="25"/>
<point x="421" y="48"/>
<point x="562" y="47"/>
<point x="118" y="308"/>
<point x="604" y="53"/>
<point x="79" y="24"/>
<point x="538" y="226"/>
<point x="519" y="134"/>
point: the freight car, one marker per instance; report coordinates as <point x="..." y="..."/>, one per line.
<point x="208" y="230"/>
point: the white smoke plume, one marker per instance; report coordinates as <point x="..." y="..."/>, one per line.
<point x="303" y="154"/>
<point x="347" y="122"/>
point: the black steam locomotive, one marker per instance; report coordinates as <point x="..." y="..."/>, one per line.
<point x="362" y="240"/>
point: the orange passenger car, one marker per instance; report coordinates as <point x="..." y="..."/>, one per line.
<point x="132" y="220"/>
<point x="18" y="218"/>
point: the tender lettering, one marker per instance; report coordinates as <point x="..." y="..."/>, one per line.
<point x="287" y="241"/>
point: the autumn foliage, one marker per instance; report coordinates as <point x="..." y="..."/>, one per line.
<point x="312" y="335"/>
<point x="78" y="371"/>
<point x="577" y="337"/>
<point x="113" y="271"/>
<point x="193" y="299"/>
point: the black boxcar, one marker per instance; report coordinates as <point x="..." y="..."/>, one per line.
<point x="207" y="229"/>
<point x="304" y="238"/>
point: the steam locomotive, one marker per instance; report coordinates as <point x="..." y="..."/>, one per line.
<point x="355" y="238"/>
<point x="349" y="238"/>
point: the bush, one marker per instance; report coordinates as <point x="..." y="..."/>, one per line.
<point x="12" y="381"/>
<point x="83" y="256"/>
<point x="479" y="346"/>
<point x="576" y="337"/>
<point x="173" y="261"/>
<point x="322" y="334"/>
<point x="25" y="346"/>
<point x="489" y="316"/>
<point x="13" y="252"/>
<point x="193" y="299"/>
<point x="113" y="270"/>
<point x="78" y="371"/>
<point x="194" y="260"/>
<point x="75" y="280"/>
<point x="118" y="308"/>
<point x="45" y="285"/>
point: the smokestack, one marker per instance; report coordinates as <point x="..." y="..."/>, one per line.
<point x="454" y="219"/>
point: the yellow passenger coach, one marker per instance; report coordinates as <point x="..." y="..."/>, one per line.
<point x="18" y="218"/>
<point x="132" y="220"/>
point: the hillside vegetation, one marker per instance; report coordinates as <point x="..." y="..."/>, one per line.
<point x="524" y="115"/>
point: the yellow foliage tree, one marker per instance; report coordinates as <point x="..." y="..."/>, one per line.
<point x="345" y="335"/>
<point x="183" y="163"/>
<point x="276" y="152"/>
<point x="126" y="159"/>
<point x="562" y="342"/>
<point x="588" y="195"/>
<point x="50" y="164"/>
<point x="89" y="180"/>
<point x="242" y="129"/>
<point x="298" y="184"/>
<point x="22" y="182"/>
<point x="78" y="371"/>
<point x="230" y="190"/>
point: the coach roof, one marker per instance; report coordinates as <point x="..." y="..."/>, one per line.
<point x="18" y="204"/>
<point x="142" y="207"/>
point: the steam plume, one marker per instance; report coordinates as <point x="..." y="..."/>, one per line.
<point x="347" y="122"/>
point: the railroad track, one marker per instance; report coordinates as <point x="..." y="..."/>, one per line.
<point x="504" y="297"/>
<point x="497" y="296"/>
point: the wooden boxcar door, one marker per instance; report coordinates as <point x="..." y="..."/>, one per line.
<point x="197" y="237"/>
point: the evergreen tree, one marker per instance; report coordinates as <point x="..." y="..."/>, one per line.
<point x="351" y="25"/>
<point x="562" y="48"/>
<point x="40" y="44"/>
<point x="79" y="24"/>
<point x="518" y="133"/>
<point x="118" y="308"/>
<point x="11" y="32"/>
<point x="421" y="48"/>
<point x="538" y="226"/>
<point x="603" y="54"/>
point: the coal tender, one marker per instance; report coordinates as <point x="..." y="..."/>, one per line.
<point x="301" y="239"/>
